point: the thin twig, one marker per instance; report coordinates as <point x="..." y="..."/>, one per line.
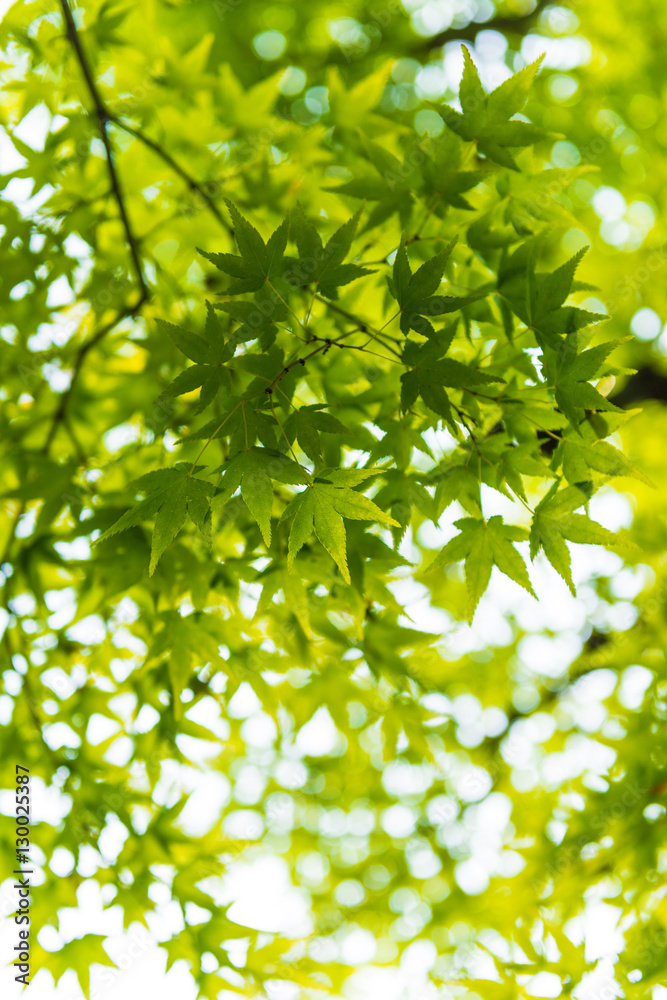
<point x="361" y="324"/>
<point x="355" y="347"/>
<point x="287" y="440"/>
<point x="193" y="184"/>
<point x="61" y="410"/>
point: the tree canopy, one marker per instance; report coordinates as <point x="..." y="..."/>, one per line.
<point x="332" y="481"/>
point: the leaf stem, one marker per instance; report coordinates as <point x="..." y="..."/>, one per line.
<point x="287" y="440"/>
<point x="231" y="413"/>
<point x="361" y="324"/>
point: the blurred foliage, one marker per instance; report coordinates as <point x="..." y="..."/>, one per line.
<point x="295" y="366"/>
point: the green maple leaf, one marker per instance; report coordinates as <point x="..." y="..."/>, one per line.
<point x="106" y="23"/>
<point x="488" y="118"/>
<point x="209" y="354"/>
<point x="507" y="463"/>
<point x="437" y="178"/>
<point x="55" y="482"/>
<point x="306" y="423"/>
<point x="531" y="202"/>
<point x="456" y="482"/>
<point x="573" y="391"/>
<point x="398" y="442"/>
<point x="483" y="545"/>
<point x="241" y="423"/>
<point x="432" y="373"/>
<point x="443" y="175"/>
<point x="392" y="186"/>
<point x="259" y="263"/>
<point x="346" y="477"/>
<point x="322" y="507"/>
<point x="399" y="495"/>
<point x="186" y="642"/>
<point x="79" y="954"/>
<point x="253" y="471"/>
<point x="254" y="323"/>
<point x="555" y="521"/>
<point x="538" y="299"/>
<point x="322" y="264"/>
<point x="182" y="947"/>
<point x="173" y="495"/>
<point x="579" y="458"/>
<point x="415" y="293"/>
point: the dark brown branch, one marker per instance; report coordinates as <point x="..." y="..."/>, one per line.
<point x="362" y="325"/>
<point x="60" y="413"/>
<point x="103" y="118"/>
<point x="505" y="25"/>
<point x="176" y="167"/>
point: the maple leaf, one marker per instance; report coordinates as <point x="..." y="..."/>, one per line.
<point x="79" y="954"/>
<point x="532" y="199"/>
<point x="488" y="118"/>
<point x="186" y="642"/>
<point x="415" y="293"/>
<point x="555" y="521"/>
<point x="538" y="299"/>
<point x="45" y="477"/>
<point x="351" y="103"/>
<point x="259" y="261"/>
<point x="443" y="175"/>
<point x="391" y="187"/>
<point x="429" y="382"/>
<point x="254" y="322"/>
<point x="399" y="495"/>
<point x="173" y="494"/>
<point x="253" y="471"/>
<point x="398" y="442"/>
<point x="209" y="354"/>
<point x="505" y="462"/>
<point x="483" y="545"/>
<point x="431" y="373"/>
<point x="241" y="422"/>
<point x="305" y="425"/>
<point x="437" y="178"/>
<point x="573" y="391"/>
<point x="579" y="458"/>
<point x="322" y="264"/>
<point x="322" y="507"/>
<point x="456" y="482"/>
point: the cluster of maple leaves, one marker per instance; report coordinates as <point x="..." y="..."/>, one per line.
<point x="266" y="288"/>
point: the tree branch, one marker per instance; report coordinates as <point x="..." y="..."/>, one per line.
<point x="363" y="325"/>
<point x="103" y="118"/>
<point x="61" y="410"/>
<point x="60" y="414"/>
<point x="176" y="167"/>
